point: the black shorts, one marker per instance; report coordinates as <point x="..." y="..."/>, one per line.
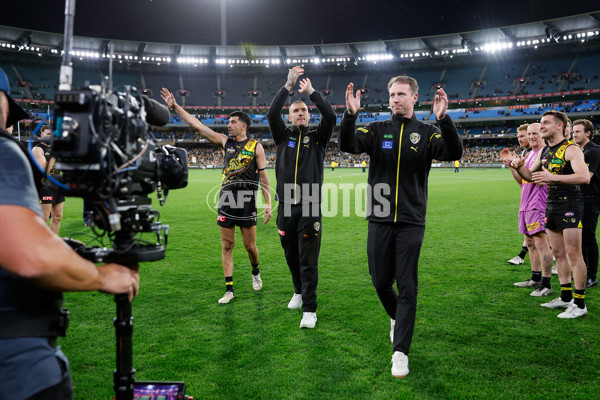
<point x="561" y="216"/>
<point x="50" y="195"/>
<point x="237" y="208"/>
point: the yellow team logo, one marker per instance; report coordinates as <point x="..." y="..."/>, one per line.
<point x="415" y="137"/>
<point x="533" y="226"/>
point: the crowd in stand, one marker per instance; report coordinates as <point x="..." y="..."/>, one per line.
<point x="211" y="156"/>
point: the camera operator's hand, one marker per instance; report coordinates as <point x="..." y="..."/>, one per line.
<point x="267" y="214"/>
<point x="168" y="98"/>
<point x="117" y="279"/>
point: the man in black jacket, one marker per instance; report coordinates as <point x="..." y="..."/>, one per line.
<point x="401" y="149"/>
<point x="299" y="171"/>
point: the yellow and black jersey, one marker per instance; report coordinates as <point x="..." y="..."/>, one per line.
<point x="553" y="159"/>
<point x="401" y="151"/>
<point x="240" y="171"/>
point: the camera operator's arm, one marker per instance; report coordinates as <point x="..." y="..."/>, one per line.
<point x="29" y="250"/>
<point x="215" y="138"/>
<point x="265" y="185"/>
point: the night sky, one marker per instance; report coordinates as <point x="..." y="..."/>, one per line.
<point x="278" y="22"/>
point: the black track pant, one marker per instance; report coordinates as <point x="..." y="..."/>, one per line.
<point x="393" y="251"/>
<point x="589" y="245"/>
<point x="301" y="241"/>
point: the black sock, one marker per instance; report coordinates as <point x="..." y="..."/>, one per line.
<point x="255" y="269"/>
<point x="579" y="296"/>
<point x="229" y="283"/>
<point x="524" y="251"/>
<point x="566" y="292"/>
<point x="536" y="276"/>
<point x="546" y="282"/>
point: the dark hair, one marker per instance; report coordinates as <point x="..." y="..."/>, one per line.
<point x="242" y="116"/>
<point x="588" y="127"/>
<point x="560" y="116"/>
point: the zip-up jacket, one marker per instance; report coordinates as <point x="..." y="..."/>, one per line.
<point x="300" y="154"/>
<point x="401" y="151"/>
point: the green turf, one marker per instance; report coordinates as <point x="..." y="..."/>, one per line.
<point x="476" y="335"/>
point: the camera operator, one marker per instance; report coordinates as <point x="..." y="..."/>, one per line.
<point x="36" y="266"/>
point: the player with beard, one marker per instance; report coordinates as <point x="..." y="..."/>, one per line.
<point x="245" y="162"/>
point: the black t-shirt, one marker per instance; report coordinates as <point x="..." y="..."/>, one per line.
<point x="591" y="153"/>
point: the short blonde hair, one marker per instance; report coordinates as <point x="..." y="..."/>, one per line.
<point x="414" y="86"/>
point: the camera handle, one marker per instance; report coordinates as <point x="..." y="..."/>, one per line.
<point x="124" y="374"/>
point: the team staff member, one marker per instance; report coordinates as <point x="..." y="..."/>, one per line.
<point x="582" y="133"/>
<point x="562" y="166"/>
<point x="532" y="210"/>
<point x="299" y="170"/>
<point x="401" y="151"/>
<point x="35" y="268"/>
<point x="245" y="162"/>
<point x="51" y="198"/>
<point x="524" y="143"/>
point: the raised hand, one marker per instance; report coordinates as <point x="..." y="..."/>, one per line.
<point x="306" y="87"/>
<point x="293" y="75"/>
<point x="508" y="157"/>
<point x="352" y="100"/>
<point x="517" y="163"/>
<point x="168" y="98"/>
<point x="440" y="104"/>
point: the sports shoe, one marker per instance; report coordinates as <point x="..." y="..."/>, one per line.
<point x="542" y="291"/>
<point x="528" y="283"/>
<point x="295" y="302"/>
<point x="227" y="297"/>
<point x="256" y="282"/>
<point x="554" y="270"/>
<point x="591" y="282"/>
<point x="309" y="320"/>
<point x="516" y="260"/>
<point x="392" y="326"/>
<point x="557" y="303"/>
<point x="399" y="364"/>
<point x="573" y="312"/>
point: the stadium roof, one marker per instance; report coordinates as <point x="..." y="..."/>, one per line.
<point x="544" y="33"/>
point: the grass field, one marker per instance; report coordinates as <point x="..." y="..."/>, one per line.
<point x="476" y="336"/>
